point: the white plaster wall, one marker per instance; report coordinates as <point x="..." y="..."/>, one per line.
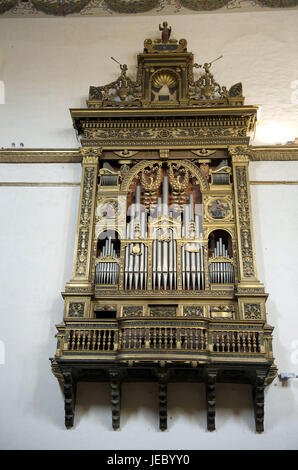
<point x="48" y="64"/>
<point x="47" y="67"/>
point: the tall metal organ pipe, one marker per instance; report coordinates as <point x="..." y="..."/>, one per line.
<point x="164" y="247"/>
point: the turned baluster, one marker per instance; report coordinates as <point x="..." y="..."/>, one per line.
<point x="254" y="339"/>
<point x="228" y="341"/>
<point x="100" y="340"/>
<point x="238" y="341"/>
<point x="88" y="339"/>
<point x="249" y="342"/>
<point x="217" y="342"/>
<point x="178" y="338"/>
<point x="233" y="341"/>
<point x="93" y="340"/>
<point x="109" y="337"/>
<point x="147" y="338"/>
<point x="73" y="338"/>
<point x="129" y="337"/>
<point x="154" y="338"/>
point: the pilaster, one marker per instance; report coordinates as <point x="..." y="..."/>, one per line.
<point x="247" y="270"/>
<point x="81" y="275"/>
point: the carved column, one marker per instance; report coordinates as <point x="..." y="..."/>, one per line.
<point x="83" y="245"/>
<point x="258" y="398"/>
<point x="69" y="386"/>
<point x="115" y="384"/>
<point x="246" y="250"/>
<point x="211" y="398"/>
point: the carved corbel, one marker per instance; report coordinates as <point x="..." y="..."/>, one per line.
<point x="211" y="398"/>
<point x="258" y="399"/>
<point x="69" y="388"/>
<point x="163" y="378"/>
<point x="115" y="385"/>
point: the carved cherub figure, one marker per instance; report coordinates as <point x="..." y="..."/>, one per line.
<point x="166" y="32"/>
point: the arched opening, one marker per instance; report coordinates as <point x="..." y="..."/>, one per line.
<point x="220" y="253"/>
<point x="107" y="258"/>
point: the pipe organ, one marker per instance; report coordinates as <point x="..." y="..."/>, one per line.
<point x="164" y="285"/>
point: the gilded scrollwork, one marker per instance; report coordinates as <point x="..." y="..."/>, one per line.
<point x="244" y="221"/>
<point x="90" y="155"/>
<point x="151" y="133"/>
<point x="76" y="309"/>
<point x="151" y="177"/>
<point x="252" y="311"/>
<point x="163" y="311"/>
<point x="193" y="310"/>
<point x="132" y="311"/>
<point x="89" y="185"/>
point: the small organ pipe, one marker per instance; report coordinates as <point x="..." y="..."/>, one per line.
<point x="202" y="267"/>
<point x="221" y="272"/>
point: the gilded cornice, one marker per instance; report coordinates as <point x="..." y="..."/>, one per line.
<point x="40" y="156"/>
<point x="274" y="153"/>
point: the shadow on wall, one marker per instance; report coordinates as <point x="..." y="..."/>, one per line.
<point x="186" y="402"/>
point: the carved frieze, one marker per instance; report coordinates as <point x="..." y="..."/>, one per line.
<point x="163" y="311"/>
<point x="193" y="310"/>
<point x="162" y="134"/>
<point x="132" y="310"/>
<point x="244" y="221"/>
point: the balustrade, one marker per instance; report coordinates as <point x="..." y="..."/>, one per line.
<point x="163" y="338"/>
<point x="91" y="340"/>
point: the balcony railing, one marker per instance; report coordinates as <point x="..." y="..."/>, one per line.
<point x="236" y="341"/>
<point x="152" y="338"/>
<point x="91" y="340"/>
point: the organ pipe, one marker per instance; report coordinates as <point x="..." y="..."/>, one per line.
<point x="107" y="272"/>
<point x="164" y="246"/>
<point x="221" y="272"/>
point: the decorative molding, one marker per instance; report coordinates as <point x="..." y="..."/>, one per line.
<point x="274" y="153"/>
<point x="40" y="156"/>
<point x="272" y="182"/>
<point x="26" y="184"/>
<point x="270" y="153"/>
